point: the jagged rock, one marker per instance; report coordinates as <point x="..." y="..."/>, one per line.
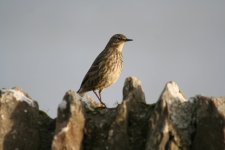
<point x="117" y="136"/>
<point x="209" y="123"/>
<point x="98" y="123"/>
<point x="69" y="123"/>
<point x="106" y="129"/>
<point x="132" y="90"/>
<point x="22" y="125"/>
<point x="123" y="127"/>
<point x="172" y="123"/>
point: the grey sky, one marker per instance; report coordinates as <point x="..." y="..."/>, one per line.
<point x="48" y="46"/>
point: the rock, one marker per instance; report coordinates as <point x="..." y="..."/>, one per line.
<point x="22" y="125"/>
<point x="70" y="123"/>
<point x="172" y="123"/>
<point x="98" y="124"/>
<point x="133" y="90"/>
<point x="209" y="123"/>
<point x="123" y="127"/>
<point x="118" y="135"/>
<point x="90" y="103"/>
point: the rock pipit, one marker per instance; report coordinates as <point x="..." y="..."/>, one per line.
<point x="106" y="68"/>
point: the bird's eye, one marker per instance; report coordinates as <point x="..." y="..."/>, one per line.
<point x="119" y="39"/>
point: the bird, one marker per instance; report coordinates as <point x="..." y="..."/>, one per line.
<point x="106" y="68"/>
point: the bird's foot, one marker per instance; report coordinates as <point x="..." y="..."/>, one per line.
<point x="103" y="105"/>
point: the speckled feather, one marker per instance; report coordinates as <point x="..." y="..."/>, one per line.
<point x="107" y="64"/>
<point x="106" y="68"/>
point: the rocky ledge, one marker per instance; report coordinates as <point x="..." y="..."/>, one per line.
<point x="172" y="123"/>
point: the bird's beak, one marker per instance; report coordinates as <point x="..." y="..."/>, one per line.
<point x="128" y="40"/>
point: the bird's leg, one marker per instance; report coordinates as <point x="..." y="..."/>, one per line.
<point x="97" y="95"/>
<point x="100" y="98"/>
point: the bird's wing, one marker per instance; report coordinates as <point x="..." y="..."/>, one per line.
<point x="93" y="72"/>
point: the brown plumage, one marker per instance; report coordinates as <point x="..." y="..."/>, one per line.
<point x="106" y="68"/>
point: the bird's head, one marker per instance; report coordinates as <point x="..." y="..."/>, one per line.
<point x="119" y="38"/>
<point x="118" y="41"/>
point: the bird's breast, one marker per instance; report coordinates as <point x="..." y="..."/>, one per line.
<point x="113" y="68"/>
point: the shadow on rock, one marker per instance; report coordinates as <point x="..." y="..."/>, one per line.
<point x="24" y="127"/>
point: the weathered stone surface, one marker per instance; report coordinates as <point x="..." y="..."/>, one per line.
<point x="123" y="127"/>
<point x="172" y="123"/>
<point x="133" y="90"/>
<point x="118" y="135"/>
<point x="98" y="123"/>
<point x="209" y="123"/>
<point x="22" y="125"/>
<point x="70" y="123"/>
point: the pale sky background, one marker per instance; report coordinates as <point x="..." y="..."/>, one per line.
<point x="46" y="47"/>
